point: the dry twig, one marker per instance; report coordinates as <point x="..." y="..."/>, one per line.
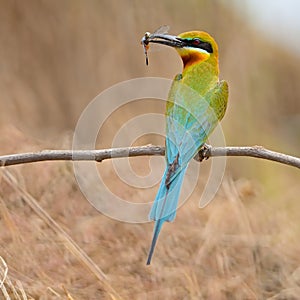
<point x="99" y="155"/>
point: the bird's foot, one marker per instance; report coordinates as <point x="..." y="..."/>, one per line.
<point x="203" y="153"/>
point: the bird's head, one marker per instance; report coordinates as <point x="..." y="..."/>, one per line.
<point x="193" y="46"/>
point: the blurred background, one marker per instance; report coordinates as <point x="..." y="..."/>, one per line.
<point x="56" y="56"/>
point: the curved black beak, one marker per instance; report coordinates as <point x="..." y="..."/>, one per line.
<point x="160" y="38"/>
<point x="164" y="39"/>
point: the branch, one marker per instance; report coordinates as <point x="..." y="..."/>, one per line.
<point x="99" y="155"/>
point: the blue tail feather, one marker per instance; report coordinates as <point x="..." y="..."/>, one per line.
<point x="157" y="228"/>
<point x="165" y="205"/>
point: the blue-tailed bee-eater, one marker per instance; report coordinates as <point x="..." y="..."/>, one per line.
<point x="196" y="102"/>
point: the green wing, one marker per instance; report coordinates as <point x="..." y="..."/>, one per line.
<point x="191" y="118"/>
<point x="218" y="98"/>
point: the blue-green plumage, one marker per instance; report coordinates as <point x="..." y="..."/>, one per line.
<point x="196" y="102"/>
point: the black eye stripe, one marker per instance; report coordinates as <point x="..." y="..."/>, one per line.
<point x="197" y="43"/>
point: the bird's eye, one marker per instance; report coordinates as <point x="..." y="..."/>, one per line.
<point x="196" y="42"/>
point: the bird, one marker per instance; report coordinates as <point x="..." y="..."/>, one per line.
<point x="196" y="102"/>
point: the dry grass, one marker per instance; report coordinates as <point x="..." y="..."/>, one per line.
<point x="55" y="57"/>
<point x="239" y="247"/>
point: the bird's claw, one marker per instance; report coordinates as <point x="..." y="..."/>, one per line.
<point x="203" y="153"/>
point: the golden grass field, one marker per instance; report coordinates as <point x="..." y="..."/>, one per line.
<point x="56" y="56"/>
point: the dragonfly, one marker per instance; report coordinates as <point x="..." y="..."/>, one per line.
<point x="161" y="31"/>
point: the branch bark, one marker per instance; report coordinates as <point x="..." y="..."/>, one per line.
<point x="99" y="155"/>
